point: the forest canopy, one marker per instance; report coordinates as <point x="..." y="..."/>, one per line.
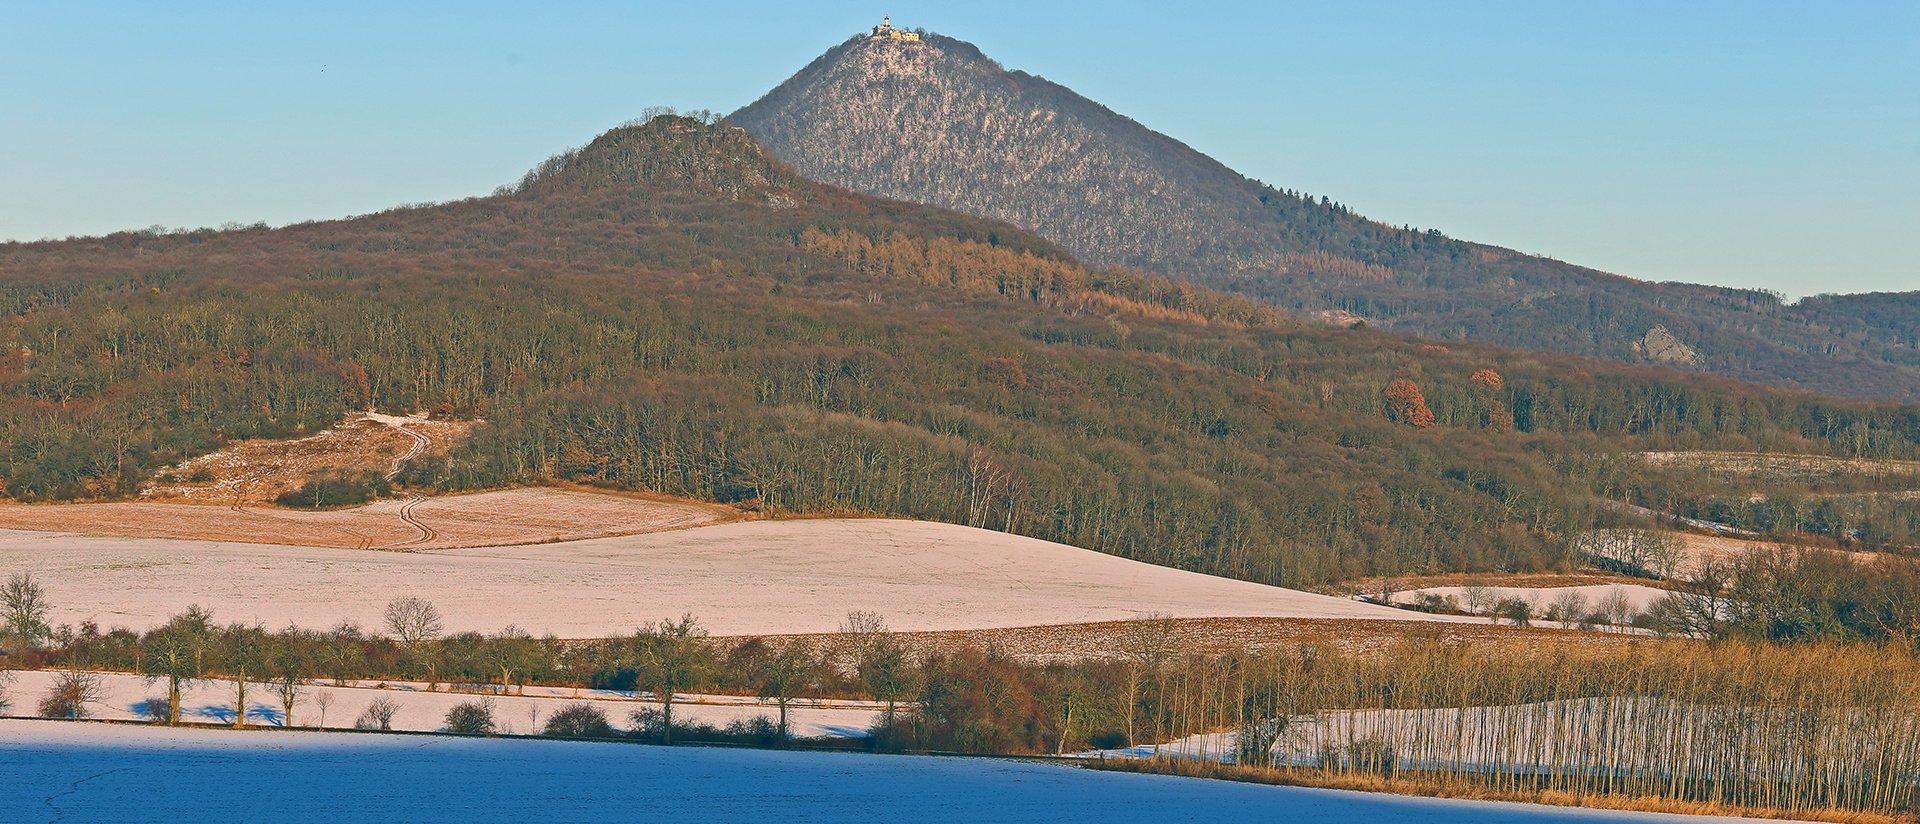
<point x="716" y="327"/>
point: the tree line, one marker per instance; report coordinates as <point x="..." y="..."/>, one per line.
<point x="1750" y="723"/>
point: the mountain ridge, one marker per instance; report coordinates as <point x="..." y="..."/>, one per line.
<point x="938" y="122"/>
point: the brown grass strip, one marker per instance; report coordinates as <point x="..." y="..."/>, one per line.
<point x="1438" y="787"/>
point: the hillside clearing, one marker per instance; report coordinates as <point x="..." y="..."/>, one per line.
<point x="258" y="471"/>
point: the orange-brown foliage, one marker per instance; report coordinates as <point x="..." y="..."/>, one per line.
<point x="1407" y="404"/>
<point x="1003" y="372"/>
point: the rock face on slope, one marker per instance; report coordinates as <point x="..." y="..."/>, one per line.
<point x="935" y="121"/>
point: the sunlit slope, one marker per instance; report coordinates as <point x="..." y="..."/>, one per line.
<point x="671" y="310"/>
<point x="749" y="577"/>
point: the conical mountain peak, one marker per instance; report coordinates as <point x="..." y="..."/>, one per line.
<point x="935" y="121"/>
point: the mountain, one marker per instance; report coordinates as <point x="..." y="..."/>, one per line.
<point x="935" y="121"/>
<point x="671" y="309"/>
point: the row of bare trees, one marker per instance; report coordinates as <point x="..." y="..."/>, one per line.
<point x="667" y="659"/>
<point x="1793" y="728"/>
<point x="1747" y="723"/>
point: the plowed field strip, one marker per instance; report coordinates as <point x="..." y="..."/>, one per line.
<point x="1105" y="639"/>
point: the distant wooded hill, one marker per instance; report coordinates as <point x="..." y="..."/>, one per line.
<point x="672" y="309"/>
<point x="937" y="122"/>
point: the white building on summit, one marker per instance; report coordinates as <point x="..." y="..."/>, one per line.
<point x="886" y="30"/>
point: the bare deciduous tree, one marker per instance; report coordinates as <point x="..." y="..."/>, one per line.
<point x="1615" y="607"/>
<point x="242" y="652"/>
<point x="785" y="674"/>
<point x="1147" y="643"/>
<point x="413" y="620"/>
<point x="25" y="606"/>
<point x="514" y="654"/>
<point x="888" y="674"/>
<point x="71" y="693"/>
<point x="378" y="715"/>
<point x="675" y="658"/>
<point x="290" y="671"/>
<point x="1569" y="607"/>
<point x="343" y="652"/>
<point x="858" y="634"/>
<point x="471" y="718"/>
<point x="1515" y="610"/>
<point x="1479" y="597"/>
<point x="1663" y="553"/>
<point x="1389" y="587"/>
<point x="992" y="483"/>
<point x="324" y="700"/>
<point x="417" y="624"/>
<point x="578" y="720"/>
<point x="177" y="653"/>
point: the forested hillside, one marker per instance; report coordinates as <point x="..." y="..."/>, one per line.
<point x="670" y="309"/>
<point x="936" y="121"/>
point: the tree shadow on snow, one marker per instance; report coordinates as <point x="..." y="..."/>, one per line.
<point x="223" y="713"/>
<point x="154" y="709"/>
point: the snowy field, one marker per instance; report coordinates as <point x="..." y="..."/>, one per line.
<point x="752" y="577"/>
<point x="1638" y="597"/>
<point x="126" y="697"/>
<point x="70" y="772"/>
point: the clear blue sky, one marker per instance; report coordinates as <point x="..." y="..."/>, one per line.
<point x="1749" y="144"/>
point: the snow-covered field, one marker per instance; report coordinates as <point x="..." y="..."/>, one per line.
<point x="1637" y="596"/>
<point x="67" y="772"/>
<point x="123" y="698"/>
<point x="739" y="578"/>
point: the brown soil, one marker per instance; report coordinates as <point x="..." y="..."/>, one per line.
<point x="513" y="516"/>
<point x="1081" y="642"/>
<point x="1433" y="786"/>
<point x="1515" y="580"/>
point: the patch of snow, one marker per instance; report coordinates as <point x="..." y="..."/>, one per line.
<point x="125" y="697"/>
<point x="1639" y="596"/>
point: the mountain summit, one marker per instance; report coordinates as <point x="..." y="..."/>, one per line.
<point x="931" y="119"/>
<point x="934" y="120"/>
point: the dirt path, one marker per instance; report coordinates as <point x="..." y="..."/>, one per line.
<point x="427" y="533"/>
<point x="421" y="443"/>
